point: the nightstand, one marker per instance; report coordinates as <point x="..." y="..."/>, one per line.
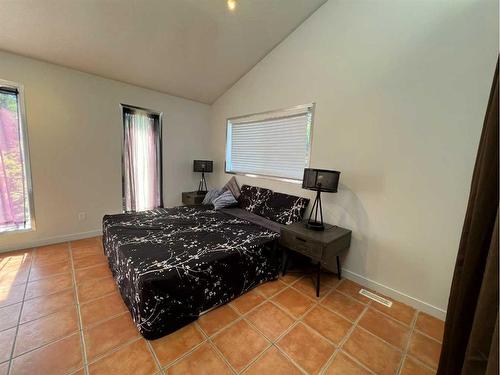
<point x="193" y="198"/>
<point x="320" y="246"/>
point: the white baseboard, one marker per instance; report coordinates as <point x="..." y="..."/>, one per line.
<point x="395" y="294"/>
<point x="52" y="240"/>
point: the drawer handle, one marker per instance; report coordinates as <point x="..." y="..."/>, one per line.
<point x="300" y="239"/>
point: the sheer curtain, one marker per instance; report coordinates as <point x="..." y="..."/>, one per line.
<point x="13" y="213"/>
<point x="141" y="161"/>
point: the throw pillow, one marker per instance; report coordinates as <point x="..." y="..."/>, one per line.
<point x="211" y="195"/>
<point x="252" y="198"/>
<point x="233" y="187"/>
<point x="284" y="209"/>
<point x="226" y="199"/>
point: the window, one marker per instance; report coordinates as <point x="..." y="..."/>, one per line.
<point x="16" y="203"/>
<point x="142" y="166"/>
<point x="274" y="144"/>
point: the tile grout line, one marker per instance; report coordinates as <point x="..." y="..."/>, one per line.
<point x="222" y="356"/>
<point x="153" y="353"/>
<point x="406" y="354"/>
<point x="181" y="357"/>
<point x="315" y="303"/>
<point x="355" y="325"/>
<point x="406" y="326"/>
<point x="79" y="315"/>
<point x="33" y="251"/>
<point x="45" y="345"/>
<point x="7" y="306"/>
<point x="219" y="331"/>
<point x="50" y="275"/>
<point x="269" y="345"/>
<point x="9" y="368"/>
<point x="14" y="303"/>
<point x="273" y="345"/>
<point x="215" y="349"/>
<point x="40" y="296"/>
<point x="50" y="313"/>
<point x="206" y="339"/>
<point x="413" y="358"/>
<point x="255" y="359"/>
<point x="299" y="320"/>
<point x="51" y="293"/>
<point x="411" y="329"/>
<point x="407" y="346"/>
<point x="285" y="354"/>
<point x="98" y="297"/>
<point x="244" y="318"/>
<point x="60" y="274"/>
<point x="427" y="336"/>
<point x="114" y="349"/>
<point x="63" y="337"/>
<point x="392" y="346"/>
<point x="296" y="321"/>
<point x="99" y="322"/>
<point x="369" y="303"/>
<point x="343" y="341"/>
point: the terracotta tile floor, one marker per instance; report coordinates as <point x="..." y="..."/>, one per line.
<point x="60" y="313"/>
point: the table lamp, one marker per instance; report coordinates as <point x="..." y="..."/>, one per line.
<point x="319" y="180"/>
<point x="203" y="166"/>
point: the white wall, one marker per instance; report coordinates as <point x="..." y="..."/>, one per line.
<point x="401" y="89"/>
<point x="75" y="135"/>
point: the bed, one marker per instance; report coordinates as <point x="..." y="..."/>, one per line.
<point x="172" y="264"/>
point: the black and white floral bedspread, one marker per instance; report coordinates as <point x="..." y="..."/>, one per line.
<point x="171" y="264"/>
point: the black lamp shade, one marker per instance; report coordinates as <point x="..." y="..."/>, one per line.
<point x="206" y="166"/>
<point x="321" y="180"/>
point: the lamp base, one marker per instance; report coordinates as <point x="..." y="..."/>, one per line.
<point x="315" y="225"/>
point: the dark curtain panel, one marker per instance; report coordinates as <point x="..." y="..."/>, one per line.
<point x="470" y="344"/>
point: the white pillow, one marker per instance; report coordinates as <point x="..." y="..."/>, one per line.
<point x="211" y="195"/>
<point x="226" y="199"/>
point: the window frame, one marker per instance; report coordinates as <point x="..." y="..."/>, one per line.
<point x="306" y="108"/>
<point x="123" y="107"/>
<point x="25" y="152"/>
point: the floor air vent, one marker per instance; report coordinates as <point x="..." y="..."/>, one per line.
<point x="375" y="297"/>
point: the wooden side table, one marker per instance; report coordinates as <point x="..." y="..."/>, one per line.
<point x="193" y="198"/>
<point x="320" y="246"/>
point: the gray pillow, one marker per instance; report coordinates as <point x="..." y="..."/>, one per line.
<point x="233" y="187"/>
<point x="211" y="195"/>
<point x="226" y="199"/>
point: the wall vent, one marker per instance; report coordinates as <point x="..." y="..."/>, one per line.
<point x="375" y="297"/>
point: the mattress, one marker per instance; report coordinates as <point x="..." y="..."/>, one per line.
<point x="172" y="264"/>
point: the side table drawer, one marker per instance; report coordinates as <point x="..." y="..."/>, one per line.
<point x="302" y="245"/>
<point x="192" y="198"/>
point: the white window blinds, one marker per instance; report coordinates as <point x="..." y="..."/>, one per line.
<point x="275" y="144"/>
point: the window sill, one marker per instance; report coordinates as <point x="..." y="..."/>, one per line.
<point x="14" y="230"/>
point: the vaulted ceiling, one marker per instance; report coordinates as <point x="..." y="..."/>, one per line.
<point x="195" y="49"/>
